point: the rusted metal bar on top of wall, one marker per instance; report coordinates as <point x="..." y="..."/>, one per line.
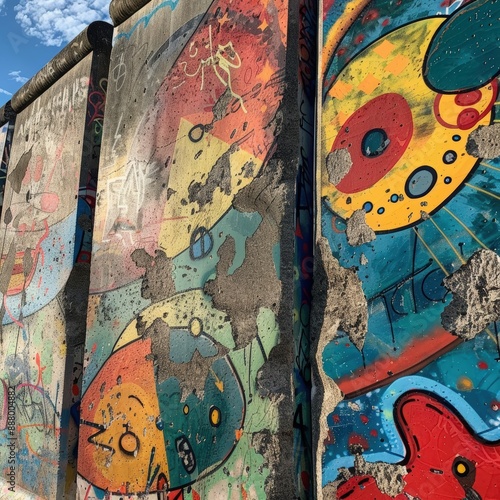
<point x="121" y="10"/>
<point x="96" y="37"/>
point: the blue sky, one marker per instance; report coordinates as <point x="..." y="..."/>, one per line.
<point x="32" y="32"/>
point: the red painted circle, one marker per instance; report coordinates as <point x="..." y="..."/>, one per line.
<point x="388" y="112"/>
<point x="467" y="118"/>
<point x="469" y="98"/>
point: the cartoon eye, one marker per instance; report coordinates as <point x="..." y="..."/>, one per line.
<point x="215" y="416"/>
<point x="462" y="467"/>
<point x="129" y="442"/>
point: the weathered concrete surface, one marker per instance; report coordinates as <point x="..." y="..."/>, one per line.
<point x="338" y="304"/>
<point x="476" y="295"/>
<point x="44" y="271"/>
<point x="192" y="275"/>
<point x="389" y="477"/>
<point x="338" y="164"/>
<point x="358" y="231"/>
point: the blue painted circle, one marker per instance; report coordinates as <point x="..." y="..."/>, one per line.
<point x="450" y="157"/>
<point x="420" y="182"/>
<point x="368" y="207"/>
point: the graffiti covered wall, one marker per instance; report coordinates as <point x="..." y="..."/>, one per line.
<point x="44" y="278"/>
<point x="216" y="360"/>
<point x="408" y="207"/>
<point x="304" y="246"/>
<point x="186" y="381"/>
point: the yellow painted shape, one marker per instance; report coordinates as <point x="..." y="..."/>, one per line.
<point x="427" y="146"/>
<point x="177" y="312"/>
<point x="191" y="163"/>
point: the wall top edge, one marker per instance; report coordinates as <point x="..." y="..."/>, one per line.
<point x="97" y="36"/>
<point x="6" y="114"/>
<point x="121" y="10"/>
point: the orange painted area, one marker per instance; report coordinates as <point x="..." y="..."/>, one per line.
<point x="119" y="442"/>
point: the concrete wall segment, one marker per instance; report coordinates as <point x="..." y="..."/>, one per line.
<point x="6" y="113"/>
<point x="407" y="209"/>
<point x="44" y="270"/>
<point x="97" y="36"/>
<point x="196" y="193"/>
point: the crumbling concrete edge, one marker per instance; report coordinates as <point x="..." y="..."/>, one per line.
<point x="326" y="394"/>
<point x="283" y="484"/>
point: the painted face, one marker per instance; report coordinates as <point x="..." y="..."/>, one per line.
<point x="443" y="459"/>
<point x="122" y="447"/>
<point x="165" y="409"/>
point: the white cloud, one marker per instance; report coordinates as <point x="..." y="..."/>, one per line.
<point x="56" y="22"/>
<point x="1" y="4"/>
<point x="2" y="91"/>
<point x="16" y="76"/>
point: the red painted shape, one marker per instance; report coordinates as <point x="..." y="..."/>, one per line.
<point x="358" y="440"/>
<point x="467" y="118"/>
<point x="444" y="460"/>
<point x="304" y="476"/>
<point x="410" y="358"/>
<point x="468" y="98"/>
<point x="388" y="112"/>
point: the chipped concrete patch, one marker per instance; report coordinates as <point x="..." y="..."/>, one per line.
<point x="338" y="164"/>
<point x="330" y="490"/>
<point x="353" y="406"/>
<point x="191" y="375"/>
<point x="264" y="195"/>
<point x="267" y="445"/>
<point x="389" y="477"/>
<point x="424" y="215"/>
<point x="220" y="107"/>
<point x="338" y="302"/>
<point x="16" y="175"/>
<point x="345" y="301"/>
<point x="476" y="295"/>
<point x="484" y="142"/>
<point x="363" y="260"/>
<point x="157" y="283"/>
<point x="219" y="177"/>
<point x="358" y="231"/>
